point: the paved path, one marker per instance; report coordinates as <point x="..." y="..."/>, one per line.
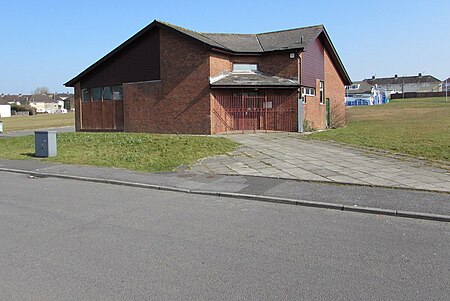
<point x="436" y="203"/>
<point x="285" y="155"/>
<point x="31" y="132"/>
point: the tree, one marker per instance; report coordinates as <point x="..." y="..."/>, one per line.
<point x="41" y="90"/>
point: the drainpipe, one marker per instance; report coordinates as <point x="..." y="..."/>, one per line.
<point x="299" y="93"/>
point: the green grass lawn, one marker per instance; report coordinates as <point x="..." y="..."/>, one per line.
<point x="142" y="152"/>
<point x="40" y="121"/>
<point x="418" y="127"/>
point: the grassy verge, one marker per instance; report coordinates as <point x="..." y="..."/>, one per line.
<point x="418" y="127"/>
<point x="40" y="121"/>
<point x="142" y="152"/>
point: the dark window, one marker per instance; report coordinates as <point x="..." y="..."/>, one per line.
<point x="107" y="93"/>
<point x="85" y="95"/>
<point x="118" y="93"/>
<point x="321" y="93"/>
<point x="96" y="94"/>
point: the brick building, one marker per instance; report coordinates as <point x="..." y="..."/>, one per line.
<point x="168" y="79"/>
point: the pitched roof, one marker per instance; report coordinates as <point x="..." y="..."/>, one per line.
<point x="42" y="98"/>
<point x="251" y="79"/>
<point x="297" y="38"/>
<point x="363" y="88"/>
<point x="6" y="98"/>
<point x="403" y="80"/>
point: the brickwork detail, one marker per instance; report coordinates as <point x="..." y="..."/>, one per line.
<point x="279" y="64"/>
<point x="314" y="111"/>
<point x="180" y="103"/>
<point x="335" y="91"/>
<point x="219" y="64"/>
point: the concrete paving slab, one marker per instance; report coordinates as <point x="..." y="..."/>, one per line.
<point x="274" y="154"/>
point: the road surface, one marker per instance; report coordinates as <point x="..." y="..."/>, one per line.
<point x="71" y="240"/>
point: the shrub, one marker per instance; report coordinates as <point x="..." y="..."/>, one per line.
<point x="25" y="108"/>
<point x="338" y="116"/>
<point x="308" y="126"/>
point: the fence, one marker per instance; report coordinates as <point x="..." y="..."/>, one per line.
<point x="417" y="95"/>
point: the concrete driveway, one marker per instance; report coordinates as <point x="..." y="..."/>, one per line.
<point x="285" y="155"/>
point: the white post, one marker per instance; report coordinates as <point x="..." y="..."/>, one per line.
<point x="300" y="114"/>
<point x="446" y="89"/>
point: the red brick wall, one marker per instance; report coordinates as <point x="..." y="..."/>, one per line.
<point x="139" y="102"/>
<point x="219" y="63"/>
<point x="279" y="64"/>
<point x="335" y="91"/>
<point x="246" y="59"/>
<point x="313" y="111"/>
<point x="180" y="103"/>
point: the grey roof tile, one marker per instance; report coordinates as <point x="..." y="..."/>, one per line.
<point x="289" y="39"/>
<point x="297" y="38"/>
<point x="236" y="42"/>
<point x="240" y="79"/>
<point x="364" y="88"/>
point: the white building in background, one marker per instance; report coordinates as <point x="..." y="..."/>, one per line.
<point x="5" y="111"/>
<point x="405" y="84"/>
<point x="446" y="85"/>
<point x="46" y="104"/>
<point x="362" y="93"/>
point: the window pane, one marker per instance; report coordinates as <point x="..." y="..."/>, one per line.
<point x="96" y="94"/>
<point x="107" y="93"/>
<point x="85" y="95"/>
<point x="245" y="67"/>
<point x="118" y="93"/>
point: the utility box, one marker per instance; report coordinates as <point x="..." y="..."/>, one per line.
<point x="1" y="127"/>
<point x="45" y="144"/>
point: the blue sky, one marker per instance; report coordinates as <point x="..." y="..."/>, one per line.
<point x="46" y="43"/>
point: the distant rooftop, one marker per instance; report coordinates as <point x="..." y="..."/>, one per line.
<point x="403" y="80"/>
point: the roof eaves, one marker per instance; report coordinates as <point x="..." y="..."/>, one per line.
<point x="347" y="80"/>
<point x="228" y="86"/>
<point x="291" y="29"/>
<point x="72" y="82"/>
<point x="155" y="23"/>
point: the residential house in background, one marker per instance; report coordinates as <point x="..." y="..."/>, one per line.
<point x="66" y="98"/>
<point x="18" y="99"/>
<point x="168" y="79"/>
<point x="362" y="93"/>
<point x="446" y="85"/>
<point x="44" y="103"/>
<point x="405" y="84"/>
<point x="5" y="110"/>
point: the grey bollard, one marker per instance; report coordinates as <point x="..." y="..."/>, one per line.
<point x="45" y="144"/>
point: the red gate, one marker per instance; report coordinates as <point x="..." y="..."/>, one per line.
<point x="252" y="112"/>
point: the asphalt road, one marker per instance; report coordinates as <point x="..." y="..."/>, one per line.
<point x="71" y="240"/>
